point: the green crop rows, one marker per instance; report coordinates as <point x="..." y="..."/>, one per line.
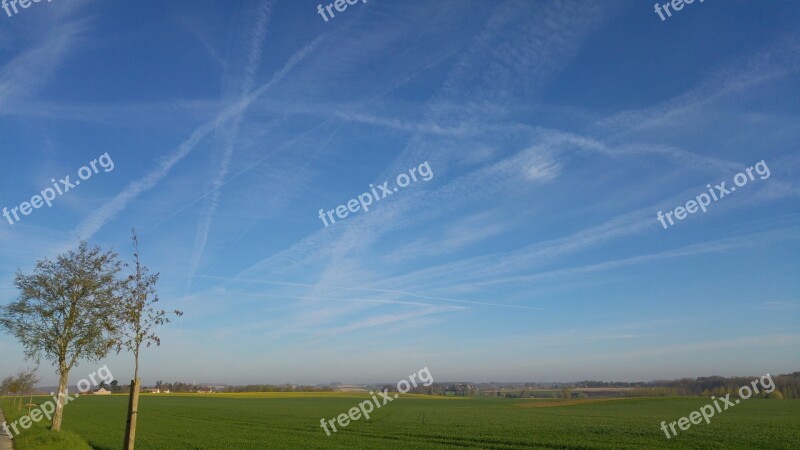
<point x="262" y="421"/>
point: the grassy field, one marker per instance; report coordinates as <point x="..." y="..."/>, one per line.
<point x="257" y="421"/>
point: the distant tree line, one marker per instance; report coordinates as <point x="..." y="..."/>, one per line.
<point x="181" y="387"/>
<point x="276" y="388"/>
<point x="786" y="386"/>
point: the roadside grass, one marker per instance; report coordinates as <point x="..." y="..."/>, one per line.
<point x="38" y="436"/>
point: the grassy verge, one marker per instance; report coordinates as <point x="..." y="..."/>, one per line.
<point x="38" y="436"/>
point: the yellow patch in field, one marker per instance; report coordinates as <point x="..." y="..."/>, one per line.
<point x="580" y="401"/>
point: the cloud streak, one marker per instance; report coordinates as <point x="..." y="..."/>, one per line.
<point x="90" y="225"/>
<point x="231" y="134"/>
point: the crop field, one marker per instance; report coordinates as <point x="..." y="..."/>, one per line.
<point x="257" y="421"/>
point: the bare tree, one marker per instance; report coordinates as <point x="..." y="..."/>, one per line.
<point x="137" y="320"/>
<point x="26" y="381"/>
<point x="65" y="311"/>
<point x="10" y="385"/>
<point x="7" y="386"/>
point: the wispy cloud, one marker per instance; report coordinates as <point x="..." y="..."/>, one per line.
<point x="367" y="289"/>
<point x="720" y="245"/>
<point x="98" y="218"/>
<point x="30" y="72"/>
<point x="770" y="64"/>
<point x="231" y="134"/>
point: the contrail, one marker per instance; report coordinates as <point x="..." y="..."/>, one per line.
<point x="89" y="226"/>
<point x="253" y="60"/>
<point x="387" y="291"/>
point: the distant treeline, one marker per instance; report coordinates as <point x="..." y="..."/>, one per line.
<point x="276" y="388"/>
<point x="786" y="386"/>
<point x="192" y="387"/>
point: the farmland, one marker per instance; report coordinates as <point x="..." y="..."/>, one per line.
<point x="280" y="420"/>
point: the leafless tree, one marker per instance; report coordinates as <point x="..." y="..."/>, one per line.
<point x="137" y="320"/>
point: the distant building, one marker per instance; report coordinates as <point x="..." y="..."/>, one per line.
<point x="102" y="391"/>
<point x="349" y="388"/>
<point x="152" y="390"/>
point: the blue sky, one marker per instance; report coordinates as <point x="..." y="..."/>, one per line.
<point x="555" y="132"/>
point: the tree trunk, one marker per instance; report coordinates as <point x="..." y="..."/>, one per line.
<point x="62" y="388"/>
<point x="30" y="403"/>
<point x="133" y="408"/>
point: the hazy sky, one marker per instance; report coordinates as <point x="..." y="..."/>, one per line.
<point x="555" y="131"/>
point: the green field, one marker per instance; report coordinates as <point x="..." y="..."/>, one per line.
<point x="257" y="421"/>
